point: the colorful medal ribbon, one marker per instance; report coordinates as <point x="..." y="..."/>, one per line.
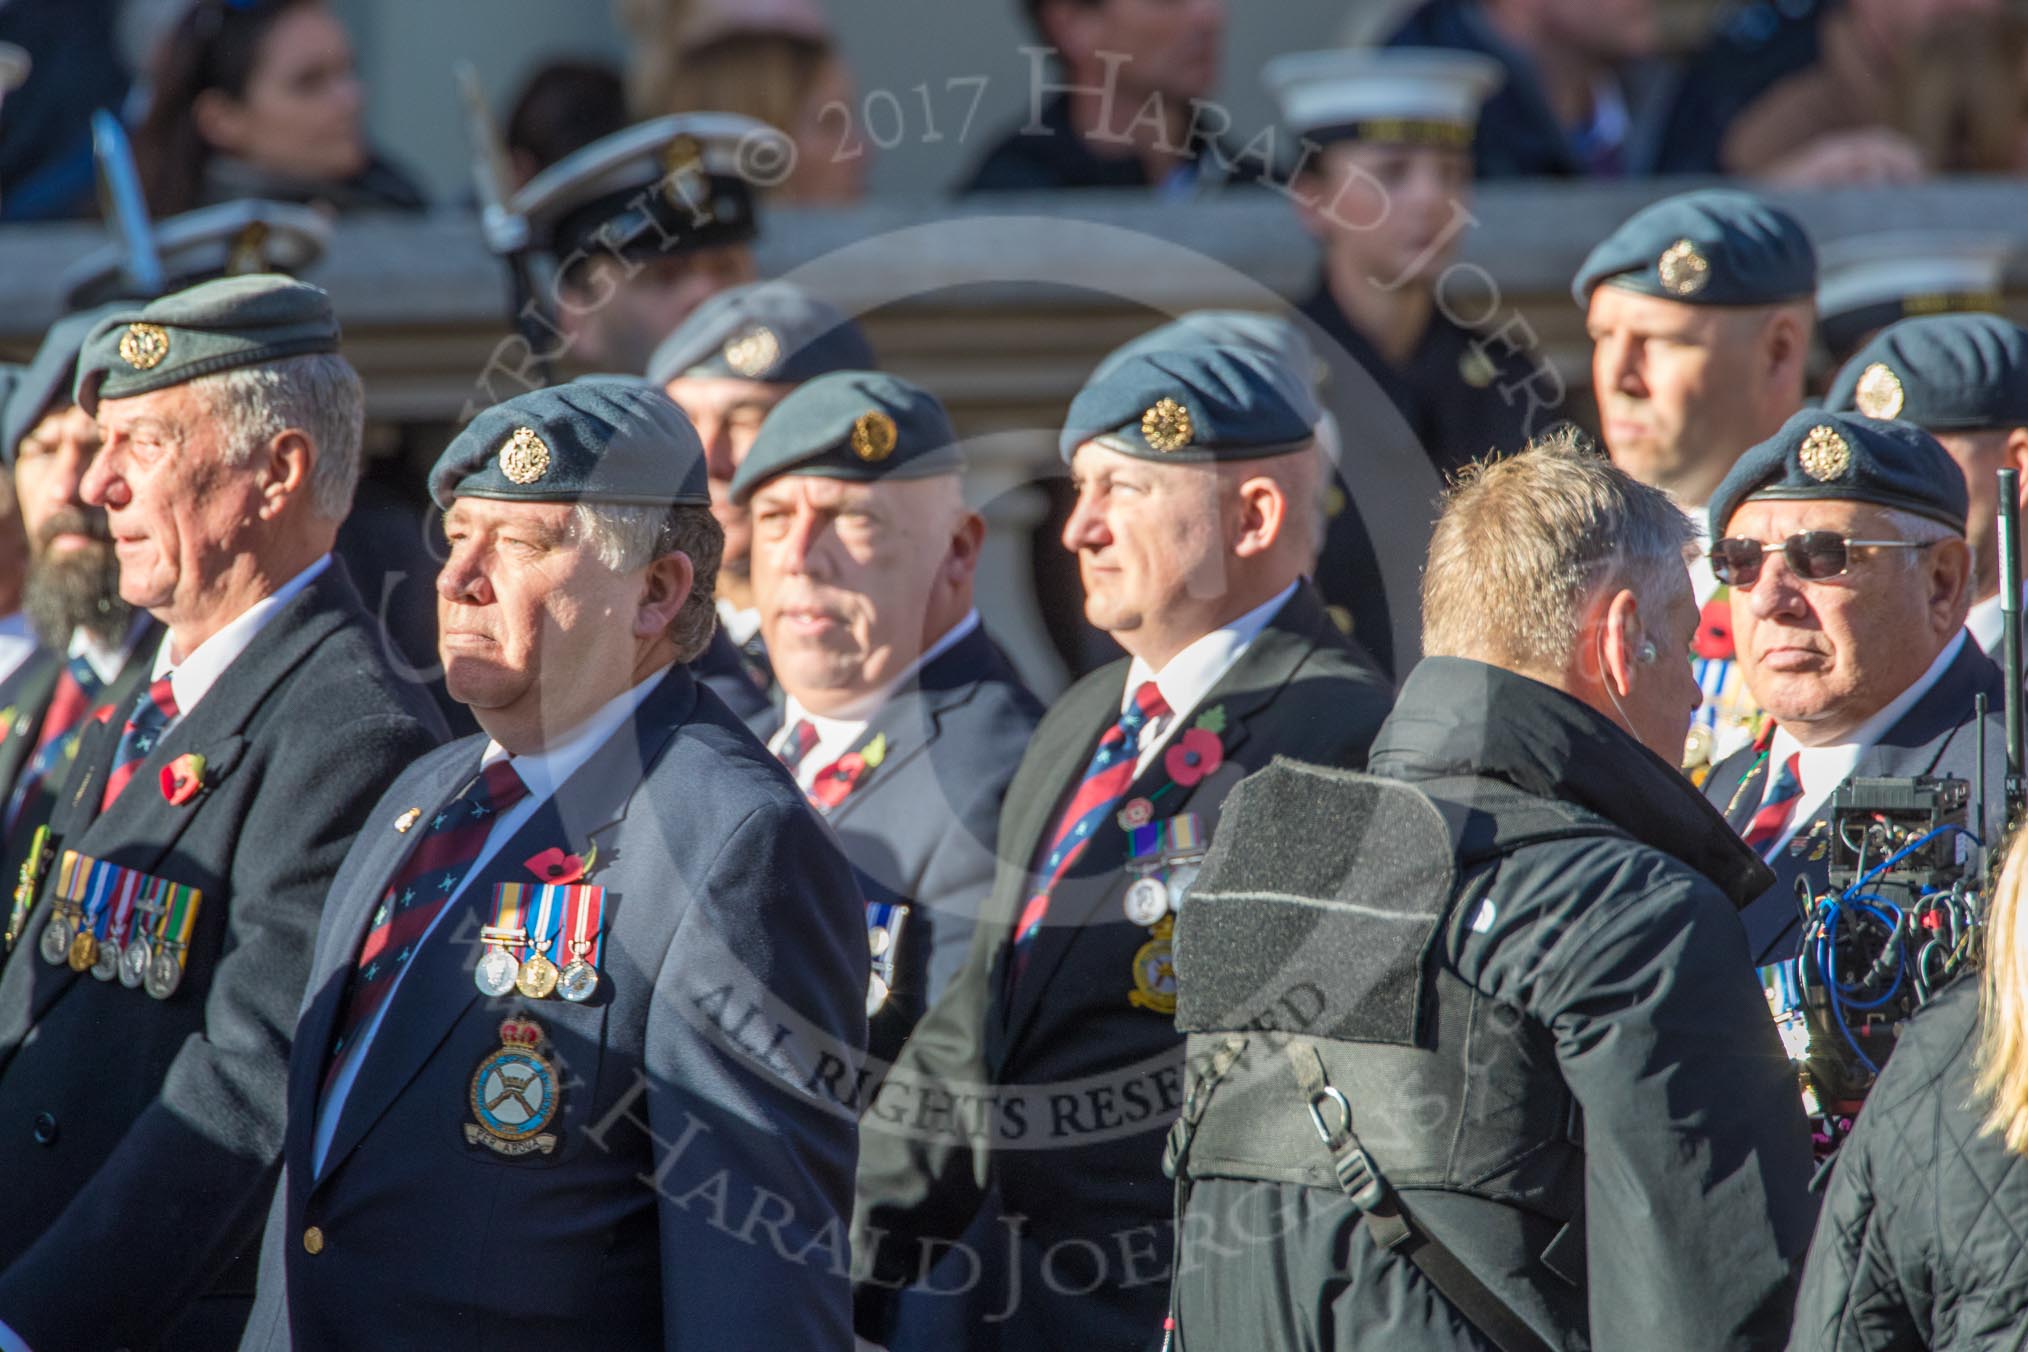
<point x="538" y="974"/>
<point x="26" y="885"/>
<point x="584" y="909"/>
<point x="1186" y="836"/>
<point x="172" y="938"/>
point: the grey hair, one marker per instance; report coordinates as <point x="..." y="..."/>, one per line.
<point x="625" y="537"/>
<point x="319" y="395"/>
<point x="1525" y="544"/>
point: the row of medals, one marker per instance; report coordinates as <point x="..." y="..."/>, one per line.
<point x="1160" y="889"/>
<point x="138" y="963"/>
<point x="536" y="977"/>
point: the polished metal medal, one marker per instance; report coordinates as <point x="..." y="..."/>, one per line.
<point x="106" y="965"/>
<point x="578" y="980"/>
<point x="1181" y="877"/>
<point x="496" y="972"/>
<point x="84" y="951"/>
<point x="134" y="959"/>
<point x="165" y="974"/>
<point x="537" y="977"/>
<point x="1147" y="900"/>
<point x="876" y="993"/>
<point x="56" y="936"/>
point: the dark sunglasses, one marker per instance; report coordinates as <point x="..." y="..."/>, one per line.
<point x="1812" y="554"/>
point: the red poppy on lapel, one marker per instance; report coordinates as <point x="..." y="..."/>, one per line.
<point x="557" y="869"/>
<point x="183" y="778"/>
<point x="104" y="713"/>
<point x="835" y="782"/>
<point x="1714" y="630"/>
<point x="1195" y="753"/>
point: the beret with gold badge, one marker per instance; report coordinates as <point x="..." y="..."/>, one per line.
<point x="1948" y="373"/>
<point x="1715" y="246"/>
<point x="857" y="425"/>
<point x="1843" y="457"/>
<point x="597" y="439"/>
<point x="1192" y="405"/>
<point x="215" y="326"/>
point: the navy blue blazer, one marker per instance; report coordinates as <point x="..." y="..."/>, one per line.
<point x="1937" y="736"/>
<point x="145" y="1126"/>
<point x="920" y="827"/>
<point x="702" y="1173"/>
<point x="1083" y="1079"/>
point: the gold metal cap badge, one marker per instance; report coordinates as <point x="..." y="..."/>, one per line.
<point x="753" y="352"/>
<point x="1824" y="456"/>
<point x="1683" y="270"/>
<point x="1878" y="393"/>
<point x="144" y="346"/>
<point x="525" y="457"/>
<point x="1166" y="426"/>
<point x="874" y="436"/>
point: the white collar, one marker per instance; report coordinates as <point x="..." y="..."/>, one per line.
<point x="547" y="770"/>
<point x="1987" y="623"/>
<point x="739" y="625"/>
<point x="192" y="678"/>
<point x="849" y="720"/>
<point x="1188" y="677"/>
<point x="106" y="659"/>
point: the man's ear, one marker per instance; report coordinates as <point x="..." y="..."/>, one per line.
<point x="1263" y="516"/>
<point x="290" y="458"/>
<point x="665" y="585"/>
<point x="1623" y="634"/>
<point x="1950" y="583"/>
<point x="968" y="539"/>
<point x="1785" y="347"/>
<point x="2014" y="455"/>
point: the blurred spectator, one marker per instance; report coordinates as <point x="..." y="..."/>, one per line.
<point x="46" y="170"/>
<point x="769" y="59"/>
<point x="1119" y="114"/>
<point x="259" y="98"/>
<point x="564" y="106"/>
<point x="1822" y="92"/>
<point x="1569" y="104"/>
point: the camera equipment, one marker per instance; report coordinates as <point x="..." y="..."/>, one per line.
<point x="1902" y="918"/>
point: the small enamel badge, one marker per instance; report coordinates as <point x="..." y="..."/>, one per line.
<point x="407" y="819"/>
<point x="514" y="1094"/>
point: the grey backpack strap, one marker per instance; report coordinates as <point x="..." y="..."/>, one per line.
<point x="1389" y="1222"/>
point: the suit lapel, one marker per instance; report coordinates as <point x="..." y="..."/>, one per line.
<point x="435" y="992"/>
<point x="1244" y="691"/>
<point x="910" y="720"/>
<point x="33" y="689"/>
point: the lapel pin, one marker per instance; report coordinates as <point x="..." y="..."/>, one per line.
<point x="407" y="819"/>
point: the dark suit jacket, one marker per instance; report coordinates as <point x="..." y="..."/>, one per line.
<point x="1937" y="736"/>
<point x="920" y="827"/>
<point x="1087" y="1081"/>
<point x="27" y="692"/>
<point x="700" y="1159"/>
<point x="144" y="1126"/>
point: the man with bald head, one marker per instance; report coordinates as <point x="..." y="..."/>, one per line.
<point x="902" y="720"/>
<point x="1194" y="529"/>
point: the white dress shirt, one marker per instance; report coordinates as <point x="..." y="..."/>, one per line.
<point x="739" y="625"/>
<point x="1188" y="677"/>
<point x="1823" y="768"/>
<point x="192" y="678"/>
<point x="840" y="731"/>
<point x="1987" y="623"/>
<point x="107" y="659"/>
<point x="543" y="772"/>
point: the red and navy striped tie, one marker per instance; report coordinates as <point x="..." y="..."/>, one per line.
<point x="802" y="737"/>
<point x="439" y="862"/>
<point x="1105" y="782"/>
<point x="152" y="713"/>
<point x="1771" y="822"/>
<point x="69" y="704"/>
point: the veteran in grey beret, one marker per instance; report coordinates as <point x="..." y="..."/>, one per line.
<point x="211" y="810"/>
<point x="901" y="718"/>
<point x="1699" y="309"/>
<point x="630" y="883"/>
<point x="738" y="355"/>
<point x="1964" y="379"/>
<point x="1842" y="542"/>
<point x="1197" y="474"/>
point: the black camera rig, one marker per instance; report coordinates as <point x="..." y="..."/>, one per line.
<point x="1909" y="867"/>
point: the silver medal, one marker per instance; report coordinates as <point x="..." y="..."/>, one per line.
<point x="495" y="973"/>
<point x="876" y="993"/>
<point x="106" y="965"/>
<point x="1180" y="878"/>
<point x="165" y="974"/>
<point x="134" y="960"/>
<point x="56" y="937"/>
<point x="1147" y="901"/>
<point x="577" y="981"/>
<point x="879" y="940"/>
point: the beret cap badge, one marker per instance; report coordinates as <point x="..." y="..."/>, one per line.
<point x="144" y="346"/>
<point x="1824" y="455"/>
<point x="874" y="436"/>
<point x="1166" y="426"/>
<point x="525" y="457"/>
<point x="1682" y="269"/>
<point x="1878" y="393"/>
<point x="754" y="352"/>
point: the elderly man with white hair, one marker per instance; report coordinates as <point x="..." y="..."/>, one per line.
<point x="144" y="1043"/>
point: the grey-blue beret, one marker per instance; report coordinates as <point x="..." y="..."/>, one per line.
<point x="1959" y="372"/>
<point x="764" y="331"/>
<point x="214" y="326"/>
<point x="1716" y="246"/>
<point x="592" y="440"/>
<point x="45" y="383"/>
<point x="1843" y="457"/>
<point x="1191" y="405"/>
<point x="856" y="425"/>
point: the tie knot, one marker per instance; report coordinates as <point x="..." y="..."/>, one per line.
<point x="1148" y="705"/>
<point x="500" y="784"/>
<point x="160" y="697"/>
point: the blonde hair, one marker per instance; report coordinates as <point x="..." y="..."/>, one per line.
<point x="2003" y="1002"/>
<point x="1525" y="542"/>
<point x="765" y="75"/>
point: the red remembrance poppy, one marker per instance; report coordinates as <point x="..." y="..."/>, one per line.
<point x="556" y="868"/>
<point x="835" y="782"/>
<point x="1714" y="631"/>
<point x="1194" y="754"/>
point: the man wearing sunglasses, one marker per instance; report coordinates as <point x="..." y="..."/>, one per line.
<point x="1963" y="378"/>
<point x="1700" y="310"/>
<point x="1842" y="541"/>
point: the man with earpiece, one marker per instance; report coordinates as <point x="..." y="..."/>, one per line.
<point x="1491" y="1069"/>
